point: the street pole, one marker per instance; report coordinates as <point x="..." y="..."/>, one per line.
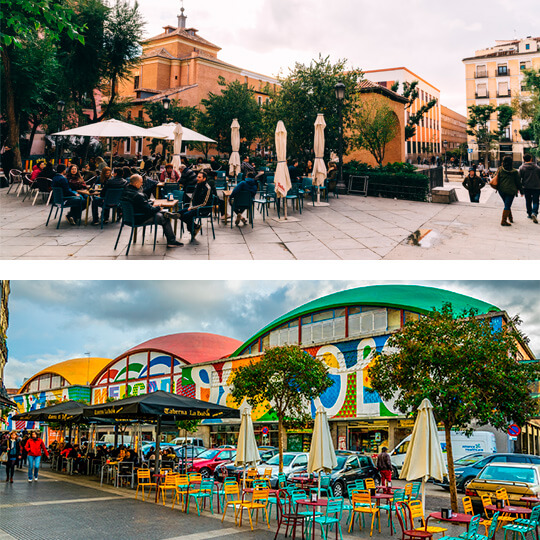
<point x="445" y="145"/>
<point x="59" y="108"/>
<point x="340" y="96"/>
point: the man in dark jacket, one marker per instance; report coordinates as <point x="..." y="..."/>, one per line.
<point x="529" y="173"/>
<point x="188" y="179"/>
<point x="294" y="171"/>
<point x="247" y="168"/>
<point x="384" y="465"/>
<point x="473" y="184"/>
<point x="72" y="198"/>
<point x="249" y="185"/>
<point x="145" y="212"/>
<point x="115" y="182"/>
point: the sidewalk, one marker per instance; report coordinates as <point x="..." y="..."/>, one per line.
<point x="351" y="228"/>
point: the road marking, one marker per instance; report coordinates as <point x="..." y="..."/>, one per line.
<point x="208" y="534"/>
<point x="60" y="501"/>
<point x="5" y="536"/>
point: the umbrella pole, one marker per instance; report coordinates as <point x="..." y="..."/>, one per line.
<point x="423" y="491"/>
<point x="112" y="145"/>
<point x="319" y="485"/>
<point x="244" y="478"/>
<point x="158" y="434"/>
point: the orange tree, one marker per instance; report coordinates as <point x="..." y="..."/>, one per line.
<point x="285" y="377"/>
<point x="467" y="368"/>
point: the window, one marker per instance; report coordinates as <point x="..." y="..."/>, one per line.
<point x="527" y="46"/>
<point x="502" y="89"/>
<point x="368" y="321"/>
<point x="481" y="90"/>
<point x="481" y="71"/>
<point x="502" y="69"/>
<point x="286" y="334"/>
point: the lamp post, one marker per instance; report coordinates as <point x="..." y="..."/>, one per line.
<point x="59" y="109"/>
<point x="166" y="104"/>
<point x="445" y="145"/>
<point x="339" y="89"/>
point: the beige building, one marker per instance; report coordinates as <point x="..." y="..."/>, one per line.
<point x="427" y="140"/>
<point x="495" y="76"/>
<point x="453" y="128"/>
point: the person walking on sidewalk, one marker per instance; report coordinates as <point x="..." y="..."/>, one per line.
<point x="506" y="181"/>
<point x="473" y="184"/>
<point x="529" y="173"/>
<point x="35" y="447"/>
<point x="384" y="465"/>
<point x="13" y="449"/>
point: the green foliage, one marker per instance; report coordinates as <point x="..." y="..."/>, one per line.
<point x="411" y="92"/>
<point x="373" y="127"/>
<point x="236" y="100"/>
<point x="504" y="117"/>
<point x="176" y="113"/>
<point x="531" y="108"/>
<point x="468" y="369"/>
<point x="306" y="91"/>
<point x="287" y="378"/>
<point x="189" y="426"/>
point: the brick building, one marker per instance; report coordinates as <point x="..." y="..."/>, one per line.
<point x="453" y="128"/>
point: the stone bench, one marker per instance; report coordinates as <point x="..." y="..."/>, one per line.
<point x="443" y="195"/>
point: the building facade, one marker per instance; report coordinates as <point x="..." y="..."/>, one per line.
<point x="453" y="128"/>
<point x="495" y="76"/>
<point x="427" y="139"/>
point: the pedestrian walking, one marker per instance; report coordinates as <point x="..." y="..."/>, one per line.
<point x="507" y="182"/>
<point x="529" y="174"/>
<point x="24" y="456"/>
<point x="473" y="184"/>
<point x="35" y="447"/>
<point x="384" y="465"/>
<point x="11" y="450"/>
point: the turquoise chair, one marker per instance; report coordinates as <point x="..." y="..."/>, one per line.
<point x="325" y="487"/>
<point x="221" y="490"/>
<point x="522" y="527"/>
<point x="332" y="516"/>
<point x="398" y="496"/>
<point x="281" y="480"/>
<point x="206" y="491"/>
<point x="472" y="531"/>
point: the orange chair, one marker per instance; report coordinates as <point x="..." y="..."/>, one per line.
<point x="144" y="480"/>
<point x="182" y="488"/>
<point x="361" y="504"/>
<point x="232" y="497"/>
<point x="168" y="484"/>
<point x="258" y="502"/>
<point x="467" y="506"/>
<point x="417" y="512"/>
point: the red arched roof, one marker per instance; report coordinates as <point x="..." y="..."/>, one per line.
<point x="193" y="347"/>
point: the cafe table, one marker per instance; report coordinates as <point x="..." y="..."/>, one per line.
<point x="385" y="497"/>
<point x="519" y="511"/>
<point x="530" y="501"/>
<point x="314" y="504"/>
<point x="457" y="518"/>
<point x="304" y="481"/>
<point x="166" y="204"/>
<point x="226" y="195"/>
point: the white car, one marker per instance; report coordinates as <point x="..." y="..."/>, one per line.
<point x="292" y="461"/>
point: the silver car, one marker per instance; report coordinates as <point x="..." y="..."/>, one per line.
<point x="292" y="462"/>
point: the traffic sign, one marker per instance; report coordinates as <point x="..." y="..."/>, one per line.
<point x="514" y="430"/>
<point x="512" y="438"/>
<point x="469" y="150"/>
<point x="264" y="430"/>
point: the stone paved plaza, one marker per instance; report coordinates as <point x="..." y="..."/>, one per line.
<point x="350" y="228"/>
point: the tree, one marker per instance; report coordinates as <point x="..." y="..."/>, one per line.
<point x="20" y="20"/>
<point x="236" y="100"/>
<point x="466" y="367"/>
<point x="306" y="91"/>
<point x="188" y="426"/>
<point x="478" y="122"/>
<point x="285" y="377"/>
<point x="411" y="93"/>
<point x="374" y="126"/>
<point x="528" y="108"/>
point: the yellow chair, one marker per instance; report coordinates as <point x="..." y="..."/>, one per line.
<point x="194" y="480"/>
<point x="486" y="501"/>
<point x="467" y="506"/>
<point x="417" y="512"/>
<point x="258" y="502"/>
<point x="182" y="488"/>
<point x="266" y="476"/>
<point x="502" y="494"/>
<point x="144" y="480"/>
<point x="231" y="490"/>
<point x="370" y="483"/>
<point x="251" y="474"/>
<point x="168" y="484"/>
<point x="361" y="504"/>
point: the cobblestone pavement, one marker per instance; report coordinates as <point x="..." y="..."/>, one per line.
<point x="60" y="507"/>
<point x="350" y="228"/>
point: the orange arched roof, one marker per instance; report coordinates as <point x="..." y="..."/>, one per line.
<point x="75" y="371"/>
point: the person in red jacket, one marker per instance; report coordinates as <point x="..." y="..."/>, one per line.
<point x="35" y="446"/>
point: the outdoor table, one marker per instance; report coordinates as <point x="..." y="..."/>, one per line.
<point x="530" y="501"/>
<point x="314" y="504"/>
<point x="109" y="467"/>
<point x="385" y="497"/>
<point x="226" y="195"/>
<point x="304" y="481"/>
<point x="88" y="198"/>
<point x="457" y="518"/>
<point x="519" y="511"/>
<point x="168" y="205"/>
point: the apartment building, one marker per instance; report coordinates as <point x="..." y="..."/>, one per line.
<point x="495" y="76"/>
<point x="427" y="140"/>
<point x="453" y="128"/>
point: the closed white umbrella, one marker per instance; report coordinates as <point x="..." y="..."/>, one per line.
<point x="424" y="458"/>
<point x="319" y="168"/>
<point x="234" y="159"/>
<point x="178" y="133"/>
<point x="282" y="178"/>
<point x="322" y="456"/>
<point x="166" y="131"/>
<point x="247" y="452"/>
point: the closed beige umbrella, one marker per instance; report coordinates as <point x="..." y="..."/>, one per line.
<point x="319" y="168"/>
<point x="234" y="159"/>
<point x="322" y="456"/>
<point x="178" y="133"/>
<point x="247" y="452"/>
<point x="282" y="178"/>
<point x="424" y="457"/>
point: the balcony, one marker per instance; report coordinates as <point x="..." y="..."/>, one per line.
<point x="502" y="73"/>
<point x="508" y="93"/>
<point x="483" y="95"/>
<point x="481" y="74"/>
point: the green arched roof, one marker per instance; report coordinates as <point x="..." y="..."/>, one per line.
<point x="410" y="297"/>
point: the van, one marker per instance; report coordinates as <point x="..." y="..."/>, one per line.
<point x="479" y="441"/>
<point x="193" y="441"/>
<point x="109" y="439"/>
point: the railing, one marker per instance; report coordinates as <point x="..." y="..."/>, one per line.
<point x="482" y="96"/>
<point x="507" y="94"/>
<point x="435" y="174"/>
<point x="500" y="73"/>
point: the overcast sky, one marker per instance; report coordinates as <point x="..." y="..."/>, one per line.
<point x="52" y="321"/>
<point x="430" y="37"/>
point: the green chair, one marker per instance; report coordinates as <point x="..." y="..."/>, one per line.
<point x="398" y="496"/>
<point x="325" y="486"/>
<point x="331" y="518"/>
<point x="522" y="527"/>
<point x="472" y="531"/>
<point x="206" y="491"/>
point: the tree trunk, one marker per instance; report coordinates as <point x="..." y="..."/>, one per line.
<point x="280" y="442"/>
<point x="11" y="113"/>
<point x="450" y="465"/>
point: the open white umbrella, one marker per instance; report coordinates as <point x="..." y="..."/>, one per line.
<point x="166" y="131"/>
<point x="178" y="133"/>
<point x="234" y="159"/>
<point x="322" y="456"/>
<point x="319" y="168"/>
<point x="424" y="458"/>
<point x="110" y="129"/>
<point x="247" y="452"/>
<point x="282" y="178"/>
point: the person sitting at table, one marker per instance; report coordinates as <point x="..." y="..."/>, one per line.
<point x="169" y="174"/>
<point x="75" y="179"/>
<point x="37" y="170"/>
<point x="247" y="168"/>
<point x="48" y="171"/>
<point x="72" y="198"/>
<point x="98" y="200"/>
<point x="188" y="179"/>
<point x="215" y="164"/>
<point x="309" y="167"/>
<point x="249" y="185"/>
<point x="294" y="171"/>
<point x="145" y="212"/>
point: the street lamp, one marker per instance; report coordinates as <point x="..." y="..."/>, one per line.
<point x="445" y="145"/>
<point x="166" y="104"/>
<point x="339" y="89"/>
<point x="60" y="109"/>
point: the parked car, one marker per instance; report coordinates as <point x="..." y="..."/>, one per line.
<point x="292" y="462"/>
<point x="206" y="462"/>
<point x="145" y="447"/>
<point x="187" y="453"/>
<point x="468" y="467"/>
<point x="519" y="479"/>
<point x="193" y="441"/>
<point x="350" y="467"/>
<point x="223" y="470"/>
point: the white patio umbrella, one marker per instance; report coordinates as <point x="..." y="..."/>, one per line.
<point x="109" y="129"/>
<point x="247" y="452"/>
<point x="282" y="178"/>
<point x="322" y="456"/>
<point x="424" y="458"/>
<point x="234" y="159"/>
<point x="166" y="131"/>
<point x="319" y="168"/>
<point x="178" y="133"/>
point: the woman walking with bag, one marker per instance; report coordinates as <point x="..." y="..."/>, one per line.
<point x="507" y="182"/>
<point x="35" y="446"/>
<point x="11" y="450"/>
